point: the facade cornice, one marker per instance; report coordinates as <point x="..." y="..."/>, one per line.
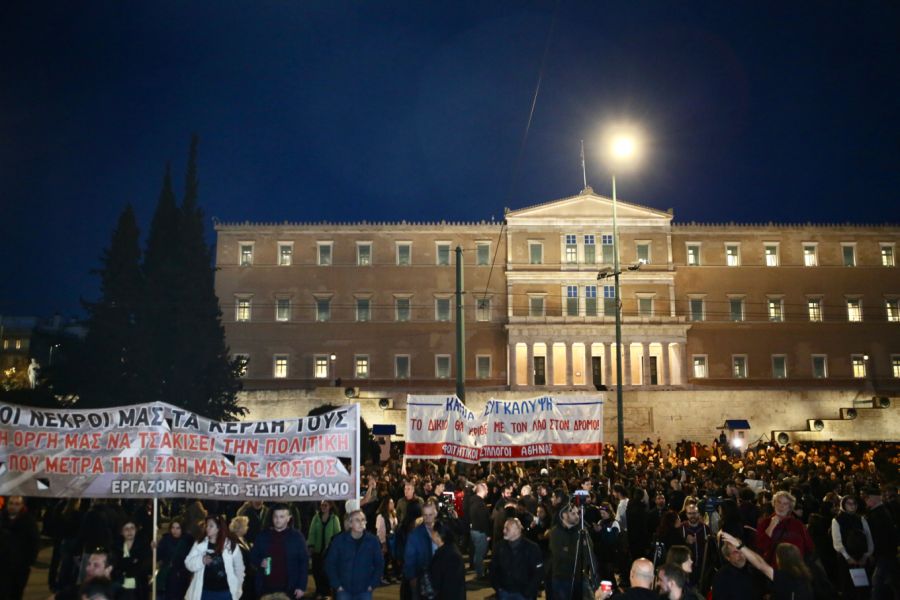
<point x="287" y="227"/>
<point x="694" y="226"/>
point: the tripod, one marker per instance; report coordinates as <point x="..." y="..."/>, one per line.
<point x="583" y="549"/>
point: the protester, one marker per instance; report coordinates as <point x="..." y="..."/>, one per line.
<point x="853" y="545"/>
<point x="480" y="527"/>
<point x="782" y="527"/>
<point x="281" y="555"/>
<point x="517" y="568"/>
<point x="447" y="569"/>
<point x="172" y="577"/>
<point x="324" y="526"/>
<point x="216" y="563"/>
<point x="22" y="527"/>
<point x="386" y="529"/>
<point x="98" y="565"/>
<point x="884" y="527"/>
<point x="791" y="578"/>
<point x="641" y="583"/>
<point x="239" y="527"/>
<point x="134" y="564"/>
<point x="418" y="552"/>
<point x="257" y="514"/>
<point x="354" y="563"/>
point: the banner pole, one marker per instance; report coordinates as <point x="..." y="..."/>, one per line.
<point x="155" y="534"/>
<point x="357" y="464"/>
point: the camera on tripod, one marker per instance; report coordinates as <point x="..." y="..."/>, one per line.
<point x="579" y="498"/>
<point x="446" y="506"/>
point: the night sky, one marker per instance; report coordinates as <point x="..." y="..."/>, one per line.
<point x="310" y="111"/>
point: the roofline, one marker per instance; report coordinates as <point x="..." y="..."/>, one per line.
<point x="588" y="191"/>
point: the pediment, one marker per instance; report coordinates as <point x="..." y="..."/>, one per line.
<point x="588" y="205"/>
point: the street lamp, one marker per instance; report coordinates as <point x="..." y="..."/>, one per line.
<point x="623" y="149"/>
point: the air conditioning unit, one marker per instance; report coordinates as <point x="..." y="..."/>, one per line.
<point x="818" y="425"/>
<point x="782" y="438"/>
<point x="351" y="392"/>
<point x="851" y="413"/>
<point x="385" y="403"/>
<point x="882" y="402"/>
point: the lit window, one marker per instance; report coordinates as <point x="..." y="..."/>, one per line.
<point x="282" y="309"/>
<point x="401" y="366"/>
<point x="606" y="241"/>
<point x="362" y="367"/>
<point x="771" y="255"/>
<point x="404" y="253"/>
<point x="645" y="307"/>
<point x="895" y="365"/>
<point x="246" y="255"/>
<point x="535" y="306"/>
<point x="280" y="370"/>
<point x="482" y="367"/>
<point x="590" y="249"/>
<point x="320" y="366"/>
<point x="18" y="344"/>
<point x="609" y="300"/>
<point x="814" y="306"/>
<point x="401" y="306"/>
<point x="848" y="251"/>
<point x="571" y="248"/>
<point x="241" y="361"/>
<point x="819" y="366"/>
<point x="285" y="254"/>
<point x="323" y="309"/>
<point x="572" y="300"/>
<point x="6" y="344"/>
<point x="859" y="365"/>
<point x="483" y="309"/>
<point x="442" y="309"/>
<point x="733" y="255"/>
<point x="442" y="366"/>
<point x="536" y="253"/>
<point x="363" y="309"/>
<point x="324" y="249"/>
<point x="892" y="309"/>
<point x="590" y="300"/>
<point x="776" y="309"/>
<point x="887" y="255"/>
<point x="482" y="254"/>
<point x="443" y="253"/>
<point x="697" y="309"/>
<point x="700" y="367"/>
<point x="364" y="254"/>
<point x="854" y="310"/>
<point x="693" y="255"/>
<point x="643" y="253"/>
<point x="779" y="366"/>
<point x="739" y="367"/>
<point x="736" y="306"/>
<point x="242" y="312"/>
<point x="810" y="255"/>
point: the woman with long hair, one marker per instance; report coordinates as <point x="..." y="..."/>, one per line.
<point x="216" y="563"/>
<point x="606" y="541"/>
<point x="134" y="566"/>
<point x="239" y="527"/>
<point x="172" y="577"/>
<point x="666" y="536"/>
<point x="323" y="527"/>
<point x="386" y="530"/>
<point x="791" y="578"/>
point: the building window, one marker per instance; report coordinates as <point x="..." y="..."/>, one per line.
<point x="282" y="309"/>
<point x="364" y="254"/>
<point x="819" y="366"/>
<point x="280" y="366"/>
<point x="361" y="369"/>
<point x="887" y="255"/>
<point x="643" y="253"/>
<point x="572" y="300"/>
<point x="404" y="253"/>
<point x="6" y="344"/>
<point x="775" y="309"/>
<point x="241" y="361"/>
<point x="571" y="248"/>
<point x="736" y="309"/>
<point x="693" y="255"/>
<point x="698" y="309"/>
<point x="18" y="344"/>
<point x="242" y="309"/>
<point x="482" y="367"/>
<point x="810" y="255"/>
<point x="733" y="255"/>
<point x="814" y="306"/>
<point x="535" y="306"/>
<point x="321" y="363"/>
<point x="246" y="254"/>
<point x="590" y="249"/>
<point x="895" y="365"/>
<point x="848" y="252"/>
<point x="442" y="252"/>
<point x="442" y="366"/>
<point x="442" y="309"/>
<point x="892" y="310"/>
<point x="739" y="366"/>
<point x="609" y="255"/>
<point x="285" y="254"/>
<point x="771" y="251"/>
<point x="482" y="309"/>
<point x="323" y="309"/>
<point x="700" y="370"/>
<point x="363" y="309"/>
<point x="779" y="366"/>
<point x="324" y="253"/>
<point x="645" y="307"/>
<point x="609" y="300"/>
<point x="401" y="309"/>
<point x="854" y="310"/>
<point x="536" y="253"/>
<point x="401" y="366"/>
<point x="482" y="254"/>
<point x="590" y="300"/>
<point x="858" y="361"/>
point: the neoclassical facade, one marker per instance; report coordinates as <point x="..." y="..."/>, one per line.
<point x="730" y="306"/>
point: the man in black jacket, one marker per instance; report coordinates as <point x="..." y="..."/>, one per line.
<point x="23" y="529"/>
<point x="885" y="538"/>
<point x="480" y="524"/>
<point x="517" y="568"/>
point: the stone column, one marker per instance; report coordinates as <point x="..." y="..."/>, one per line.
<point x="626" y="363"/>
<point x="645" y="363"/>
<point x="684" y="365"/>
<point x="529" y="360"/>
<point x="570" y="367"/>
<point x="607" y="364"/>
<point x="511" y="375"/>
<point x="666" y="378"/>
<point x="548" y="363"/>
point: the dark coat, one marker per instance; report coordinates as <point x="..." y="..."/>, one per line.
<point x="355" y="566"/>
<point x="448" y="573"/>
<point x="518" y="568"/>
<point x="297" y="559"/>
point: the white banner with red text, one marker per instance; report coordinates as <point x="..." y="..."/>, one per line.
<point x="157" y="449"/>
<point x="563" y="427"/>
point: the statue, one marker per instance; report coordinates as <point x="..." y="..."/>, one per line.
<point x="33" y="369"/>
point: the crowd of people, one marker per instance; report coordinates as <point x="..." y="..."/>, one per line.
<point x="689" y="521"/>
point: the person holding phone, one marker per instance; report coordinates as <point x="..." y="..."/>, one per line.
<point x="216" y="563"/>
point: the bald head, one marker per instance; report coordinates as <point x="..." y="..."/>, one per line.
<point x="642" y="574"/>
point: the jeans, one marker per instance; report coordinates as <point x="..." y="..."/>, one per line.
<point x="479" y="549"/>
<point x="220" y="595"/>
<point x="356" y="596"/>
<point x="504" y="595"/>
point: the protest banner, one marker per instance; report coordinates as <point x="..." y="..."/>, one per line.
<point x="505" y="430"/>
<point x="156" y="449"/>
